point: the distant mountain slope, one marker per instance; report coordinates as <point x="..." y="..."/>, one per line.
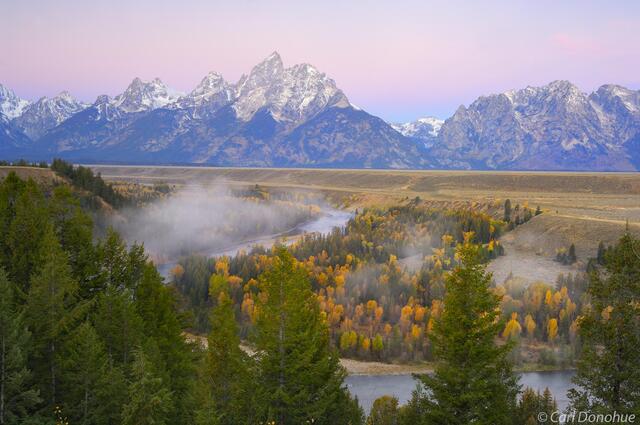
<point x="298" y="117"/>
<point x="554" y="127"/>
<point x="274" y="116"/>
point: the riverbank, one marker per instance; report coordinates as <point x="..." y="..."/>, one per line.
<point x="359" y="367"/>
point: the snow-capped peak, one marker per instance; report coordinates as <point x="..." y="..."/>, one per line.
<point x="145" y="96"/>
<point x="11" y="106"/>
<point x="420" y="128"/>
<point x="290" y="94"/>
<point x="47" y="113"/>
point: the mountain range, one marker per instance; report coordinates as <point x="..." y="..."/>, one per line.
<point x="297" y="117"/>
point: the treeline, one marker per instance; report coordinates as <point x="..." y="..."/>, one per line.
<point x="84" y="178"/>
<point x="90" y="334"/>
<point x="23" y="163"/>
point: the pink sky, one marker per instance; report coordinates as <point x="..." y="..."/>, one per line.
<point x="399" y="60"/>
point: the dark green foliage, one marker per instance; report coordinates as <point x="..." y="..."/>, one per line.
<point x="151" y="398"/>
<point x="473" y="381"/>
<point x="567" y="257"/>
<point x="608" y="377"/>
<point x="300" y="378"/>
<point x="18" y="394"/>
<point x="80" y="311"/>
<point x="25" y="233"/>
<point x="83" y="178"/>
<point x="226" y="393"/>
<point x="52" y="312"/>
<point x="84" y="372"/>
<point x="532" y="403"/>
<point x="507" y="210"/>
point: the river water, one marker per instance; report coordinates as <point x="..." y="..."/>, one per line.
<point x="369" y="387"/>
<point x="323" y="223"/>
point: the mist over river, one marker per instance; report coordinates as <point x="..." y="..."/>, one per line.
<point x="324" y="223"/>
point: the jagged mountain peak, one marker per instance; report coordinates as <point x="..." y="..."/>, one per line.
<point x="145" y="96"/>
<point x="47" y="113"/>
<point x="291" y="95"/>
<point x="11" y="106"/>
<point x="425" y="127"/>
<point x="212" y="87"/>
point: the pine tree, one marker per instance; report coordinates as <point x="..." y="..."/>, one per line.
<point x="507" y="210"/>
<point x="300" y="378"/>
<point x="18" y="395"/>
<point x="25" y="235"/>
<point x="225" y="394"/>
<point x="157" y="307"/>
<point x="474" y="381"/>
<point x="52" y="310"/>
<point x="85" y="367"/>
<point x="74" y="229"/>
<point x="150" y="399"/>
<point x="118" y="324"/>
<point x="607" y="377"/>
<point x="532" y="403"/>
<point x="571" y="257"/>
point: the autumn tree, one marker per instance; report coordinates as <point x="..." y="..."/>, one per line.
<point x="607" y="377"/>
<point x="384" y="411"/>
<point x="473" y="381"/>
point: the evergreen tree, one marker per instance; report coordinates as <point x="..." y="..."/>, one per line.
<point x="84" y="371"/>
<point x="473" y="381"/>
<point x="74" y="229"/>
<point x="52" y="310"/>
<point x="150" y="399"/>
<point x="571" y="257"/>
<point x="507" y="210"/>
<point x="532" y="403"/>
<point x="608" y="377"/>
<point x="601" y="253"/>
<point x="300" y="378"/>
<point x="10" y="188"/>
<point x="18" y="395"/>
<point x="157" y="306"/>
<point x="225" y="394"/>
<point x="25" y="234"/>
<point x="118" y="324"/>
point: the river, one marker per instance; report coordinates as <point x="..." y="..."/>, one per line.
<point x="369" y="387"/>
<point x="323" y="223"/>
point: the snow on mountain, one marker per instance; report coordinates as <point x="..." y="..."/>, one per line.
<point x="553" y="127"/>
<point x="47" y="113"/>
<point x="212" y="93"/>
<point x="11" y="106"/>
<point x="422" y="128"/>
<point x="145" y="96"/>
<point x="292" y="95"/>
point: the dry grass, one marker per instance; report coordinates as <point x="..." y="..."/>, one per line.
<point x="580" y="208"/>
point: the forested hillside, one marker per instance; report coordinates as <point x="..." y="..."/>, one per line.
<point x="91" y="335"/>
